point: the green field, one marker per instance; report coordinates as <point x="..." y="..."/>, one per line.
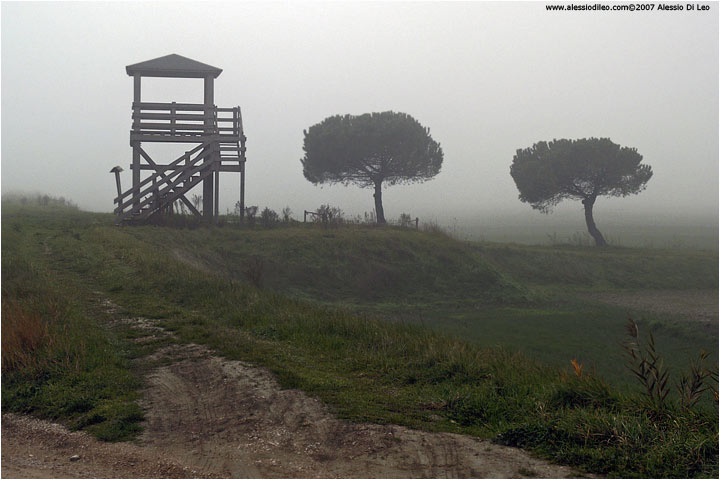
<point x="527" y="298"/>
<point x="383" y="324"/>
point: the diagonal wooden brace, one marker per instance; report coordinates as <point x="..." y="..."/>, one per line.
<point x="159" y="171"/>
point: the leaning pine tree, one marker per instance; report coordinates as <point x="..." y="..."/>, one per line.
<point x="584" y="169"/>
<point x="369" y="150"/>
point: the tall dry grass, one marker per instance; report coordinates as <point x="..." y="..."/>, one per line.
<point x="30" y="342"/>
<point x="23" y="333"/>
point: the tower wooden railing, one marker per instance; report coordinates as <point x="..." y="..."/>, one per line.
<point x="153" y="121"/>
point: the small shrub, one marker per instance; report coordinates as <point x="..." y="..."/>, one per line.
<point x="250" y="213"/>
<point x="405" y="221"/>
<point x="328" y="215"/>
<point x="646" y="363"/>
<point x="693" y="384"/>
<point x="287" y="214"/>
<point x="268" y="218"/>
<point x="648" y="367"/>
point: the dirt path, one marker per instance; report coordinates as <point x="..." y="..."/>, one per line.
<point x="211" y="417"/>
<point x="229" y="418"/>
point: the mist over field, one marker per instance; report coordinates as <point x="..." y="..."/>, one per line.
<point x="509" y="267"/>
<point x="486" y="78"/>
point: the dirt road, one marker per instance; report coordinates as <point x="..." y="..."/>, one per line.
<point x="211" y="417"/>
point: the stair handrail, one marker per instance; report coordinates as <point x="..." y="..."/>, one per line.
<point x="184" y="156"/>
<point x="178" y="173"/>
<point x="181" y="175"/>
<point x="162" y="192"/>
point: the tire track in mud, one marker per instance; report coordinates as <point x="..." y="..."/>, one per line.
<point x="231" y="419"/>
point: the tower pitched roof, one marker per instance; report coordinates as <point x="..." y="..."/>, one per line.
<point x="173" y="65"/>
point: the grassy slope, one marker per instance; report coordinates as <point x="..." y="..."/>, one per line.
<point x="362" y="264"/>
<point x="526" y="298"/>
<point x="364" y="368"/>
<point x="57" y="360"/>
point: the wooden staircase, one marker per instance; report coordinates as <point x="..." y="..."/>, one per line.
<point x="159" y="191"/>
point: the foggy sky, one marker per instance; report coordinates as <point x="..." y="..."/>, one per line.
<point x="486" y="78"/>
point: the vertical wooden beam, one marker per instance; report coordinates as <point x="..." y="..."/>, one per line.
<point x="136" y="173"/>
<point x="209" y="101"/>
<point x="208" y="202"/>
<point x="137" y="98"/>
<point x="242" y="192"/>
<point x="135" y="145"/>
<point x="241" y="135"/>
<point x="217" y="193"/>
<point x="156" y="197"/>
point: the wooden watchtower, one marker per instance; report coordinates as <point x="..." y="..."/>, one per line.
<point x="216" y="133"/>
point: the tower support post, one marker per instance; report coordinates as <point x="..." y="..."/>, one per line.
<point x="242" y="192"/>
<point x="136" y="171"/>
<point x="208" y="190"/>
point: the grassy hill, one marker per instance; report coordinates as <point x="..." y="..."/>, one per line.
<point x="363" y="264"/>
<point x="529" y="298"/>
<point x="383" y="324"/>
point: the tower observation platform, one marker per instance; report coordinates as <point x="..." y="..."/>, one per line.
<point x="215" y="135"/>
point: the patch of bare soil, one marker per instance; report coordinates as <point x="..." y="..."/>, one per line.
<point x="34" y="448"/>
<point x="231" y="419"/>
<point x="211" y="417"/>
<point x="695" y="305"/>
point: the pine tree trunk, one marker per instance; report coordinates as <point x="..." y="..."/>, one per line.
<point x="379" y="213"/>
<point x="592" y="229"/>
